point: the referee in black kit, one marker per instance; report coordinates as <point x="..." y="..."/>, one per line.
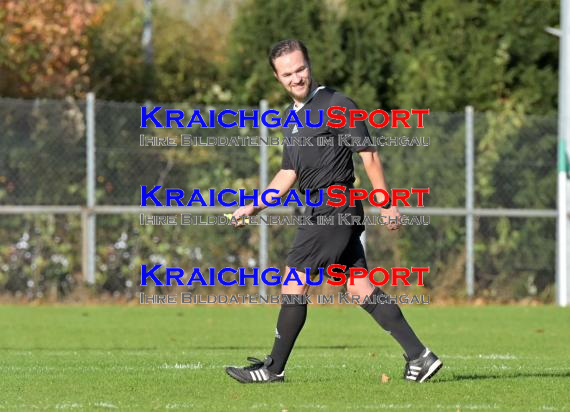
<point x="318" y="246"/>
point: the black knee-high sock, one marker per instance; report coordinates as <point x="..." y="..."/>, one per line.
<point x="390" y="317"/>
<point x="290" y="322"/>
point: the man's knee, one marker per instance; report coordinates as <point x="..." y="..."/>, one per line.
<point x="293" y="287"/>
<point x="360" y="288"/>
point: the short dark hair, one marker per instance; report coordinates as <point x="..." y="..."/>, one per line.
<point x="285" y="47"/>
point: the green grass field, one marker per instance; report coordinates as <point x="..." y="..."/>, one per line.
<point x="156" y="357"/>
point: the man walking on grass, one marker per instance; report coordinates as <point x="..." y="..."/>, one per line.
<point x="317" y="246"/>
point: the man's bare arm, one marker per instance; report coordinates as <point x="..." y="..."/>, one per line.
<point x="375" y="171"/>
<point x="283" y="181"/>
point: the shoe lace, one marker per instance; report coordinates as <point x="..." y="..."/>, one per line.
<point x="255" y="364"/>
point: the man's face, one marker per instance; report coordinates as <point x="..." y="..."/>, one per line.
<point x="292" y="71"/>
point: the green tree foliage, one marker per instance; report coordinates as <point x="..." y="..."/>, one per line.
<point x="182" y="68"/>
<point x="259" y="25"/>
<point x="433" y="53"/>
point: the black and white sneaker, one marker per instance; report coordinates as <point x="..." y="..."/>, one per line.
<point x="423" y="368"/>
<point x="257" y="372"/>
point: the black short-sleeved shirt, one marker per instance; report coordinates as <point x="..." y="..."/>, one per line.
<point x="320" y="166"/>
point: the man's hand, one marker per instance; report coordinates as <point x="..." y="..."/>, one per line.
<point x="390" y="216"/>
<point x="282" y="181"/>
<point x="248" y="210"/>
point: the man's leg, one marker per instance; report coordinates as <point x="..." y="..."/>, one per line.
<point x="388" y="316"/>
<point x="289" y="324"/>
<point x="421" y="363"/>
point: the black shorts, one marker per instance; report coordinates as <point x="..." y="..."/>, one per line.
<point x="318" y="246"/>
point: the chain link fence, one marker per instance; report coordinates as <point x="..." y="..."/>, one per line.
<point x="43" y="192"/>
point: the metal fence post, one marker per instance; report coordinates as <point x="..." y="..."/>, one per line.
<point x="562" y="223"/>
<point x="263" y="172"/>
<point x="562" y="269"/>
<point x="469" y="189"/>
<point x="88" y="215"/>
